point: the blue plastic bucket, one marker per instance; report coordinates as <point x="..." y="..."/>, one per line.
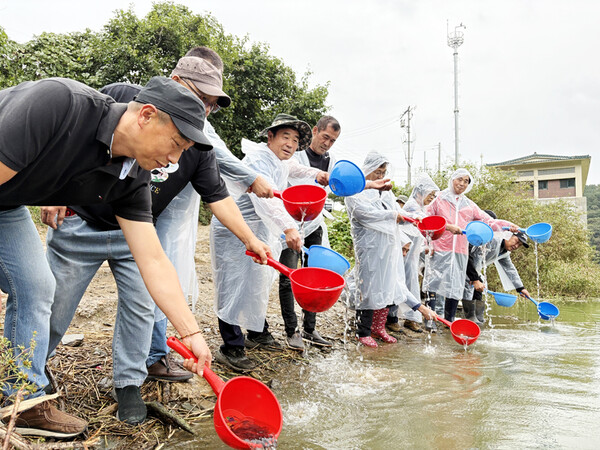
<point x="547" y="310"/>
<point x="346" y="179"/>
<point x="325" y="258"/>
<point x="539" y="232"/>
<point x="478" y="233"/>
<point x="502" y="299"/>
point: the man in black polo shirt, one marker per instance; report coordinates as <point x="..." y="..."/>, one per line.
<point x="64" y="143"/>
<point x="90" y="235"/>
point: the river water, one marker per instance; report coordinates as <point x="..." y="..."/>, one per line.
<point x="525" y="383"/>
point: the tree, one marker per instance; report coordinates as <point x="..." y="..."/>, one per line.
<point x="133" y="49"/>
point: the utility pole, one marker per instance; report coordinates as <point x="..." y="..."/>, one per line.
<point x="455" y="40"/>
<point x="408" y="113"/>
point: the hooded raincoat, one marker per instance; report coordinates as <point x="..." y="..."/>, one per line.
<point x="415" y="208"/>
<point x="242" y="286"/>
<point x="509" y="277"/>
<point x="446" y="270"/>
<point x="376" y="280"/>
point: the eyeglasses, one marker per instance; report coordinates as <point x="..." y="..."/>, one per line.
<point x="210" y="107"/>
<point x="380" y="173"/>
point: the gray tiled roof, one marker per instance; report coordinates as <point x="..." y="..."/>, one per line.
<point x="537" y="157"/>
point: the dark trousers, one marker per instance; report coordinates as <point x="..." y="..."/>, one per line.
<point x="364" y="322"/>
<point x="290" y="259"/>
<point x="234" y="337"/>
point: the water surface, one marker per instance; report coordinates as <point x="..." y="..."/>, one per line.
<point x="525" y="383"/>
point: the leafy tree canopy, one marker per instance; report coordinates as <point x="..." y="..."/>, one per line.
<point x="132" y="49"/>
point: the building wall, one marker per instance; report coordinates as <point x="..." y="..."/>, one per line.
<point x="555" y="191"/>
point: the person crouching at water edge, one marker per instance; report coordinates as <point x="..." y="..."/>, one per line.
<point x="377" y="279"/>
<point x="243" y="303"/>
<point x="448" y="265"/>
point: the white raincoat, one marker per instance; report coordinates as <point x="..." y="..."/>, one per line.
<point x="242" y="286"/>
<point x="448" y="266"/>
<point x="509" y="277"/>
<point x="376" y="280"/>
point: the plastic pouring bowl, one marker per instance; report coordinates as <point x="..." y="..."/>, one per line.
<point x="346" y="179"/>
<point x="434" y="226"/>
<point x="314" y="289"/>
<point x="463" y="331"/>
<point x="539" y="232"/>
<point x="547" y="310"/>
<point x="502" y="299"/>
<point x="303" y="202"/>
<point x="246" y="397"/>
<point x="325" y="258"/>
<point x="478" y="233"/>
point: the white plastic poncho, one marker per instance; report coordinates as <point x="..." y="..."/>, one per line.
<point x="298" y="175"/>
<point x="509" y="276"/>
<point x="177" y="228"/>
<point x="415" y="208"/>
<point x="373" y="281"/>
<point x="424" y="186"/>
<point x="446" y="270"/>
<point x="238" y="177"/>
<point x="242" y="286"/>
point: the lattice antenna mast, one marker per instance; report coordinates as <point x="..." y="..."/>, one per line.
<point x="455" y="40"/>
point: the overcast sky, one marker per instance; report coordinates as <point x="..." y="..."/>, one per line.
<point x="529" y="71"/>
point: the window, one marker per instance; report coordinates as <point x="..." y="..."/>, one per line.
<point x="525" y="173"/>
<point x="542" y="184"/>
<point x="556" y="171"/>
<point x="567" y="183"/>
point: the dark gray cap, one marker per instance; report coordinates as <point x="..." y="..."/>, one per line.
<point x="186" y="110"/>
<point x="522" y="237"/>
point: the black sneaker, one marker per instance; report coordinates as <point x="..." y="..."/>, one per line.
<point x="295" y="342"/>
<point x="315" y="339"/>
<point x="235" y="358"/>
<point x="132" y="409"/>
<point x="265" y="341"/>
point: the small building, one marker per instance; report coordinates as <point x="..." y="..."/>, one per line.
<point x="552" y="177"/>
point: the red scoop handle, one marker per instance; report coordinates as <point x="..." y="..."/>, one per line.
<point x="411" y="220"/>
<point x="444" y="321"/>
<point x="274" y="264"/>
<point x="215" y="382"/>
<point x="277" y="194"/>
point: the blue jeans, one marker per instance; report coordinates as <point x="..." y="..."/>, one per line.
<point x="28" y="281"/>
<point x="75" y="253"/>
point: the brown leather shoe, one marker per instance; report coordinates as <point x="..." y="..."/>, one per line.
<point x="46" y="420"/>
<point x="413" y="326"/>
<point x="165" y="369"/>
<point x="395" y="327"/>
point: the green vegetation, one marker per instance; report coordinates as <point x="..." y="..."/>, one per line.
<point x="566" y="262"/>
<point x="592" y="193"/>
<point x="133" y="49"/>
<point x="11" y="363"/>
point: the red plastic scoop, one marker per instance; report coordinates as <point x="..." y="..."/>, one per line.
<point x="463" y="331"/>
<point x="303" y="202"/>
<point x="435" y="226"/>
<point x="247" y="414"/>
<point x="314" y="289"/>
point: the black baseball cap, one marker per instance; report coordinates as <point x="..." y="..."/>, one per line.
<point x="186" y="111"/>
<point x="522" y="237"/>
